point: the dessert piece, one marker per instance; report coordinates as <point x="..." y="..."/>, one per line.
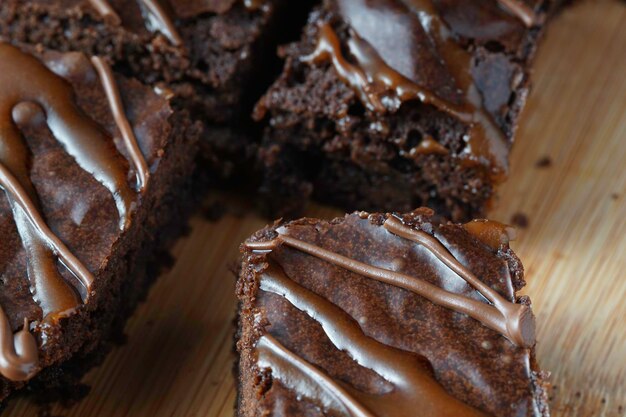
<point x="213" y="55"/>
<point x="385" y="315"/>
<point x="393" y="104"/>
<point x="94" y="173"/>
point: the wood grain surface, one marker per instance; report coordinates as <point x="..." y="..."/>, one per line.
<point x="178" y="359"/>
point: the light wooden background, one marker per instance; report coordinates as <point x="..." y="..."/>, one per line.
<point x="178" y="359"/>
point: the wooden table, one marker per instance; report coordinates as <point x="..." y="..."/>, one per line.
<point x="178" y="359"/>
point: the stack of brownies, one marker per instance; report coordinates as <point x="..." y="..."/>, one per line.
<point x="115" y="113"/>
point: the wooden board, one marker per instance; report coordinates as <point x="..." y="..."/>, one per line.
<point x="178" y="359"/>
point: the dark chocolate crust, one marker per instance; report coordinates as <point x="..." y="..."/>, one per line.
<point x="473" y="363"/>
<point x="323" y="143"/>
<point x="81" y="212"/>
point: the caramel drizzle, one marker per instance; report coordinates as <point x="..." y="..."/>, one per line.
<point x="158" y="20"/>
<point x="371" y="78"/>
<point x="31" y="92"/>
<point x="513" y="321"/>
<point x="119" y="114"/>
<point x="415" y="388"/>
<point x="520" y="10"/>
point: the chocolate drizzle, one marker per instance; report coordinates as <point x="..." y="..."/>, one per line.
<point x="415" y="388"/>
<point x="412" y="378"/>
<point x="520" y="10"/>
<point x="514" y="321"/>
<point x="117" y="108"/>
<point x="106" y="11"/>
<point x="384" y="78"/>
<point x="157" y="19"/>
<point x="30" y="94"/>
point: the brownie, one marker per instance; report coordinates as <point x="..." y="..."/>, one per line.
<point x="215" y="56"/>
<point x="385" y="315"/>
<point x="94" y="169"/>
<point x="393" y="104"/>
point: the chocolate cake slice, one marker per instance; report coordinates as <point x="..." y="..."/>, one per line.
<point x="215" y="56"/>
<point x="94" y="173"/>
<point x="394" y="104"/>
<point x="385" y="315"/>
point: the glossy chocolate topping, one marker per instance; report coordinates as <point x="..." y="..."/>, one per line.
<point x="514" y="321"/>
<point x="521" y="10"/>
<point x="106" y="11"/>
<point x="158" y="20"/>
<point x="117" y="108"/>
<point x="31" y="94"/>
<point x="390" y="43"/>
<point x="414" y="385"/>
<point x="155" y="16"/>
<point x="336" y="320"/>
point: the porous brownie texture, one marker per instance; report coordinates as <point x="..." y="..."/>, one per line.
<point x="324" y="142"/>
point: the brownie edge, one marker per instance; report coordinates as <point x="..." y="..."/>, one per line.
<point x="364" y="315"/>
<point x="95" y="172"/>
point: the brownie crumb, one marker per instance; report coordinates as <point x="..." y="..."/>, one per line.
<point x="520" y="220"/>
<point x="544" y="162"/>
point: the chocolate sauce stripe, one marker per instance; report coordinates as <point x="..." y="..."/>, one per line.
<point x="396" y="227"/>
<point x="514" y="321"/>
<point x="157" y="16"/>
<point x="106" y="11"/>
<point x="520" y="10"/>
<point x="274" y="355"/>
<point x="518" y="319"/>
<point x="117" y="109"/>
<point x="414" y="384"/>
<point x="16" y="192"/>
<point x="162" y="21"/>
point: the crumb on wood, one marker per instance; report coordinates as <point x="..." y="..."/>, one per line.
<point x="544" y="162"/>
<point x="520" y="220"/>
<point x="615" y="196"/>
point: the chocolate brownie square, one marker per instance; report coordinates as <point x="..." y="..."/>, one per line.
<point x="385" y="315"/>
<point x="393" y="104"/>
<point x="94" y="172"/>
